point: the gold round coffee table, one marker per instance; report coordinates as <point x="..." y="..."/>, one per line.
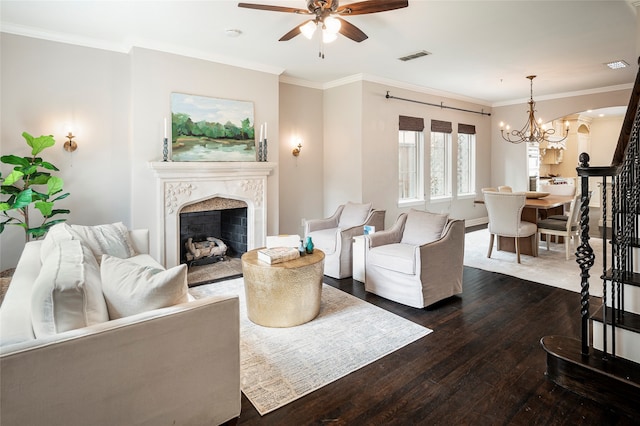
<point x="283" y="294"/>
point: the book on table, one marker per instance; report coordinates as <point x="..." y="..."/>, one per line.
<point x="278" y="254"/>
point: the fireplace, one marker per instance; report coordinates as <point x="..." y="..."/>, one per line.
<point x="186" y="186"/>
<point x="218" y="224"/>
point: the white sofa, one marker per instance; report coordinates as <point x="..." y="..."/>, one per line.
<point x="178" y="365"/>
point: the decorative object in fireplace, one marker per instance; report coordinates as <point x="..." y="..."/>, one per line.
<point x="212" y="248"/>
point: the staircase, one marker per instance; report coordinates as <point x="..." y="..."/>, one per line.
<point x="604" y="365"/>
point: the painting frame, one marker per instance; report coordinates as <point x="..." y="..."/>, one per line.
<point x="207" y="129"/>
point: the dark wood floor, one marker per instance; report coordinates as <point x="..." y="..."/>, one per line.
<point x="482" y="365"/>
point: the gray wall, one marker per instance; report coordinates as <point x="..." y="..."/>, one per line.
<point x="47" y="86"/>
<point x="116" y="103"/>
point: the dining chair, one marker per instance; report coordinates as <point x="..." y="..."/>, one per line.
<point x="569" y="228"/>
<point x="489" y="189"/>
<point x="505" y="219"/>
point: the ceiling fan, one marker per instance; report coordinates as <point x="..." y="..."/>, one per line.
<point x="323" y="12"/>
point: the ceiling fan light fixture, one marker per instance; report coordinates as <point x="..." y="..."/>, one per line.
<point x="308" y="29"/>
<point x="328" y="37"/>
<point x="332" y="24"/>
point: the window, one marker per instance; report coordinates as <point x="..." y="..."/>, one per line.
<point x="440" y="159"/>
<point x="410" y="159"/>
<point x="466" y="159"/>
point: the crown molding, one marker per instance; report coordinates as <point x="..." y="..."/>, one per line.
<point x="32" y="32"/>
<point x="380" y="80"/>
<point x="300" y="82"/>
<point x="567" y="94"/>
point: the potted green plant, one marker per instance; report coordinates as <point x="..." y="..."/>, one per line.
<point x="19" y="192"/>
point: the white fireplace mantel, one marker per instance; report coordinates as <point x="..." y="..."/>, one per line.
<point x="183" y="183"/>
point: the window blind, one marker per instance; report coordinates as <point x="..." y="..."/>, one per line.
<point x="466" y="129"/>
<point x="441" y="126"/>
<point x="414" y="124"/>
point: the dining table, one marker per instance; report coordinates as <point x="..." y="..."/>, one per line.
<point x="537" y="207"/>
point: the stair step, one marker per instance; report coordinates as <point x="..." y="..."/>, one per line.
<point x="614" y="381"/>
<point x="630" y="278"/>
<point x="628" y="321"/>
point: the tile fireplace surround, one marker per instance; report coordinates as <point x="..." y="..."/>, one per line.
<point x="180" y="184"/>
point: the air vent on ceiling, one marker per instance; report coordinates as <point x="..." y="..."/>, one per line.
<point x="416" y="55"/>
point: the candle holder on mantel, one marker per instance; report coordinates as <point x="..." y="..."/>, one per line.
<point x="264" y="150"/>
<point x="165" y="149"/>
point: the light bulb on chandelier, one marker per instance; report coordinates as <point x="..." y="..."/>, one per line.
<point x="533" y="131"/>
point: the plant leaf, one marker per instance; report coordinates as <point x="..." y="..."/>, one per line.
<point x="59" y="211"/>
<point x="39" y="179"/>
<point x="63" y="196"/>
<point x="15" y="160"/>
<point x="45" y="207"/>
<point x="38" y="232"/>
<point x="54" y="185"/>
<point x="28" y="170"/>
<point x="48" y="166"/>
<point x="23" y="199"/>
<point x="13" y="177"/>
<point x="40" y="143"/>
<point x="4" y="206"/>
<point x="8" y="189"/>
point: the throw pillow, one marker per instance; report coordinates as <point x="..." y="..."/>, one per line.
<point x="56" y="234"/>
<point x="423" y="227"/>
<point x="67" y="293"/>
<point x="353" y="214"/>
<point x="130" y="288"/>
<point x="112" y="239"/>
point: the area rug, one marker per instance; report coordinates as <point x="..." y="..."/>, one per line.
<point x="280" y="365"/>
<point x="550" y="267"/>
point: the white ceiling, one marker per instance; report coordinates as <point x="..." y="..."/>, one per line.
<point x="481" y="50"/>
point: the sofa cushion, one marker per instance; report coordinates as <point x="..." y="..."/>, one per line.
<point x="130" y="288"/>
<point x="353" y="214"/>
<point x="56" y="234"/>
<point x="395" y="257"/>
<point x="423" y="227"/>
<point x="325" y="239"/>
<point x="67" y="293"/>
<point x="112" y="239"/>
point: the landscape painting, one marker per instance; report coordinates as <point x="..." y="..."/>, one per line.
<point x="210" y="129"/>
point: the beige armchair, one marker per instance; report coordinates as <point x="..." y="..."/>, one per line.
<point x="505" y="212"/>
<point x="334" y="235"/>
<point x="418" y="261"/>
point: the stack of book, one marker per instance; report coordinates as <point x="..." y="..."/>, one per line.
<point x="278" y="254"/>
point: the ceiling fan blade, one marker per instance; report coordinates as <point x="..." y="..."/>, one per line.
<point x="294" y="32"/>
<point x="274" y="8"/>
<point x="349" y="30"/>
<point x="371" y="6"/>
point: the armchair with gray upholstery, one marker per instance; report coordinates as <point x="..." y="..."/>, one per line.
<point x="334" y="235"/>
<point x="418" y="261"/>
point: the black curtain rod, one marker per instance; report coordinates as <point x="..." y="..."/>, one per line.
<point x="388" y="96"/>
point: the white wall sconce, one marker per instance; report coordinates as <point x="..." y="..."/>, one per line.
<point x="70" y="145"/>
<point x="296" y="150"/>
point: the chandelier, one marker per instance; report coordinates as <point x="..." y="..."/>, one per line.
<point x="533" y="131"/>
